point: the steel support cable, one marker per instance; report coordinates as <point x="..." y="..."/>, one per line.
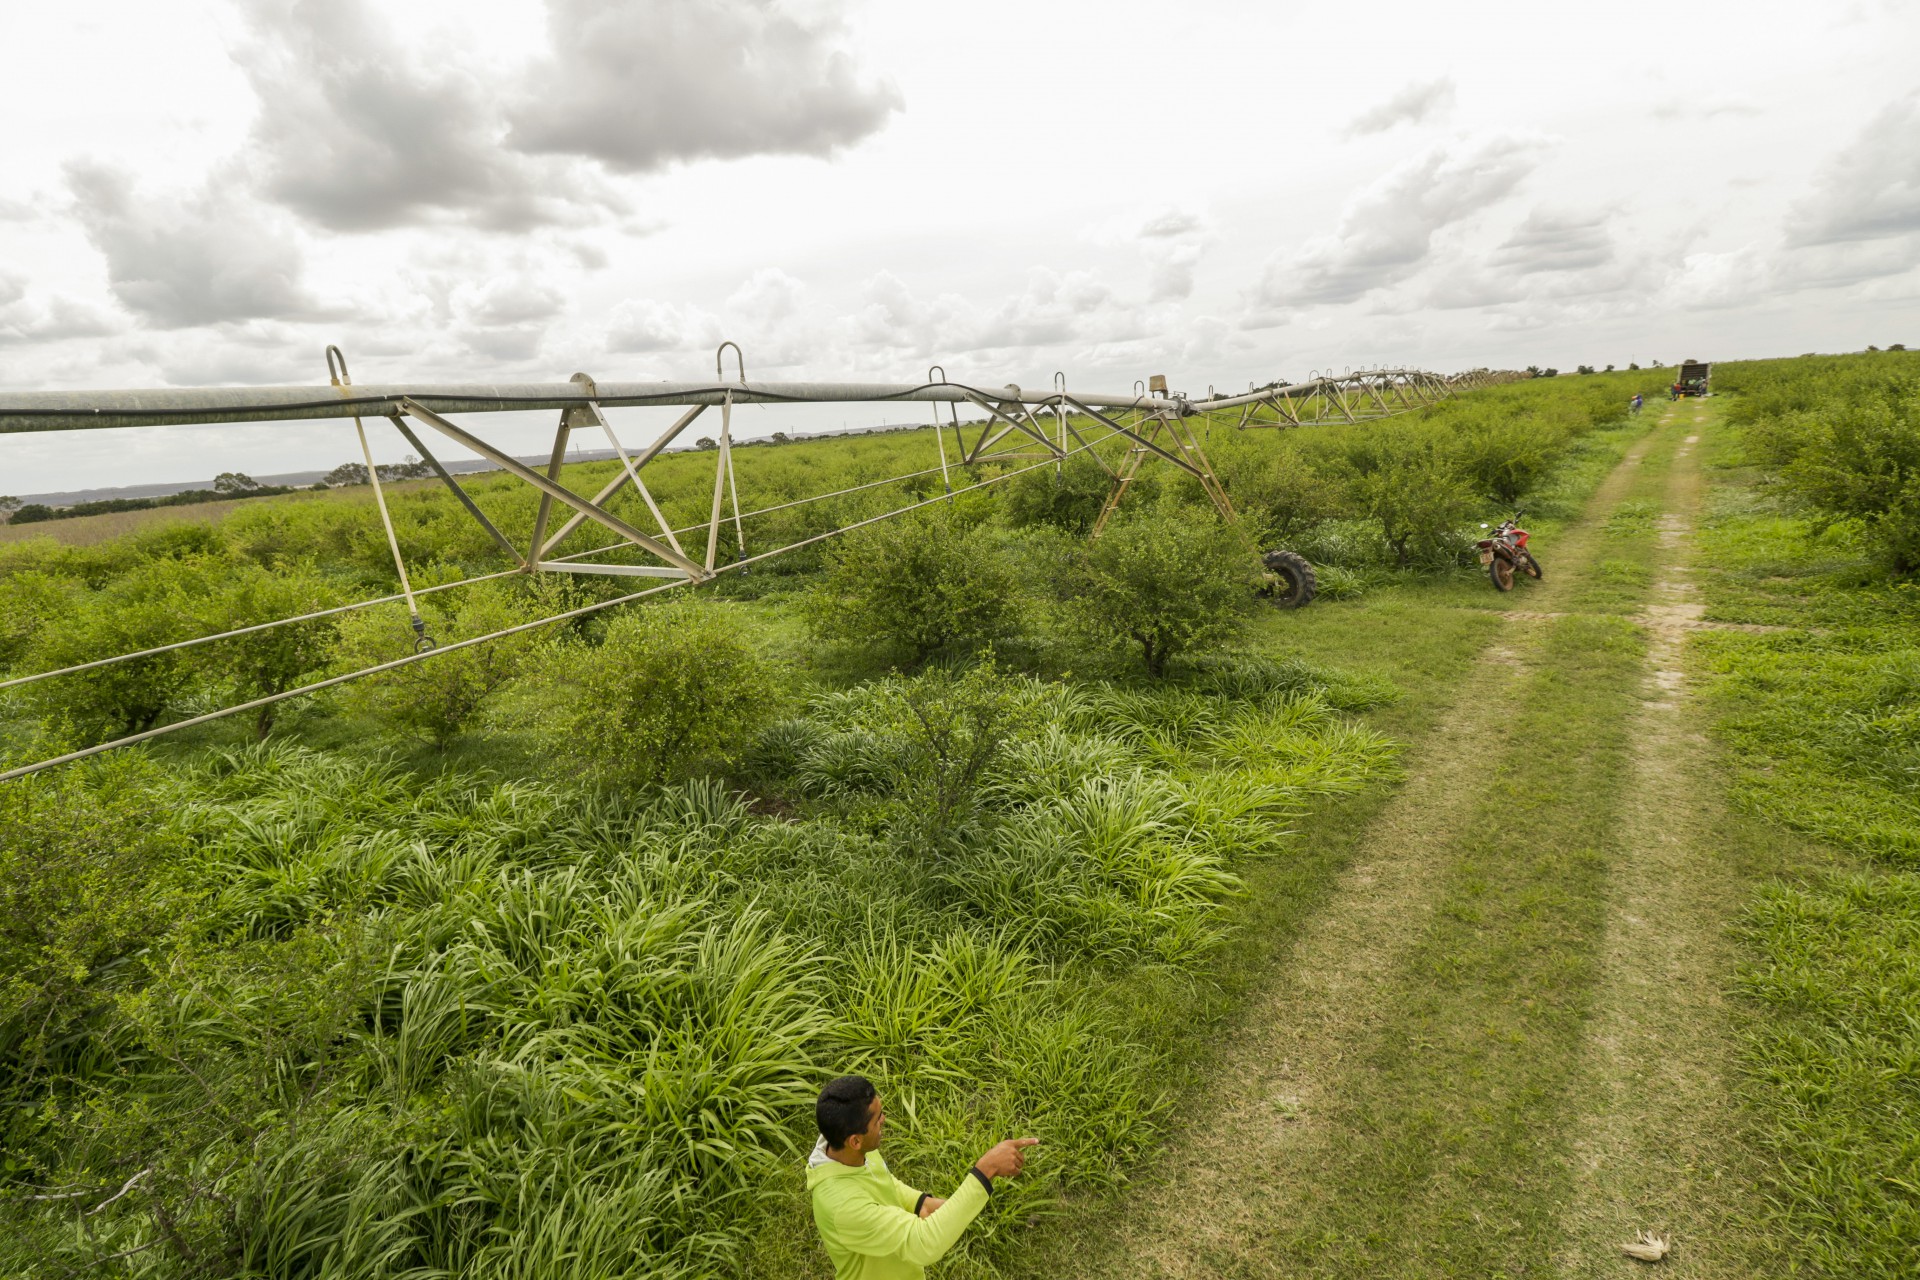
<point x="898" y="511"/>
<point x="285" y="622"/>
<point x="817" y="497"/>
<point x="330" y="682"/>
<point x="417" y="656"/>
<point x="259" y="626"/>
<point x="822" y="497"/>
<point x="1114" y="430"/>
<point x="792" y="546"/>
<point x="156" y="650"/>
<point x="782" y="506"/>
<point x="841" y="493"/>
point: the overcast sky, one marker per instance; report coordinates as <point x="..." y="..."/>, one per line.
<point x="197" y="193"/>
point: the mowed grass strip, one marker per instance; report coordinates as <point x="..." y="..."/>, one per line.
<point x="1624" y="551"/>
<point x="1421" y="650"/>
<point x="1420" y="638"/>
<point x="1819" y="726"/>
<point x="1456" y="1113"/>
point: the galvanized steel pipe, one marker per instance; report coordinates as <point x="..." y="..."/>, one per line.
<point x="24" y="411"/>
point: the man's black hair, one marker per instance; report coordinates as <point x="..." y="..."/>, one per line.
<point x="842" y="1109"/>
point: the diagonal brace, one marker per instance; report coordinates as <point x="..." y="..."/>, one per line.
<point x="613" y="486"/>
<point x="465" y="501"/>
<point x="1138" y="439"/>
<point x="1013" y="424"/>
<point x="554" y="490"/>
<point x="633" y="473"/>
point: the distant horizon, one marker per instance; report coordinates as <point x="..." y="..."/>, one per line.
<point x="214" y="190"/>
<point x="245" y="444"/>
<point x="458" y="466"/>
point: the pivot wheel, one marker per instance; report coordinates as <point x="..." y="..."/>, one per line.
<point x="1530" y="566"/>
<point x="1293" y="583"/>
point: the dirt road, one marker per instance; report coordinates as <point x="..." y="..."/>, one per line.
<point x="1498" y="1047"/>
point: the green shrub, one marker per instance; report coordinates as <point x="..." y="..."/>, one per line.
<point x="1164" y="581"/>
<point x="1284" y="497"/>
<point x="1856" y="461"/>
<point x="952" y="729"/>
<point x="671" y="688"/>
<point x="924" y="582"/>
<point x="87" y="879"/>
<point x="1410" y="486"/>
<point x="156" y="606"/>
<point x="1504" y="461"/>
<point x="263" y="663"/>
<point x="438" y="699"/>
<point x="1068" y="497"/>
<point x="28" y="601"/>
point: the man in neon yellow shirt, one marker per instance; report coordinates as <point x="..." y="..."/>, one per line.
<point x="874" y="1227"/>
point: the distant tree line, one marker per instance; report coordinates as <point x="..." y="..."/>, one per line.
<point x="227" y="486"/>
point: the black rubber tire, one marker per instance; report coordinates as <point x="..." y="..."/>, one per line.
<point x="1531" y="567"/>
<point x="1296" y="584"/>
<point x="1501" y="571"/>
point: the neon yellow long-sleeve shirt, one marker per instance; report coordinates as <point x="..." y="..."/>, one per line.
<point x="868" y="1223"/>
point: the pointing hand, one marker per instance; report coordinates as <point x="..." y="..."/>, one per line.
<point x="1006" y="1159"/>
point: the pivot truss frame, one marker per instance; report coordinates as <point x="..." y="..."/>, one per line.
<point x="1019" y="425"/>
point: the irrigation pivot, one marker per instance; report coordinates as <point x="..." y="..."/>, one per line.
<point x="1020" y="429"/>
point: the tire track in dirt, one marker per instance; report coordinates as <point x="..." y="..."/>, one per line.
<point x="1323" y="1006"/>
<point x="1657" y="1148"/>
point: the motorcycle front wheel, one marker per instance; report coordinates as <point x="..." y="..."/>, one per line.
<point x="1530" y="566"/>
<point x="1501" y="571"/>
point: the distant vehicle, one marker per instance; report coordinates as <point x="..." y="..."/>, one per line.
<point x="1693" y="378"/>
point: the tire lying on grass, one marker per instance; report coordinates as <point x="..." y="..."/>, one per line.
<point x="1293" y="584"/>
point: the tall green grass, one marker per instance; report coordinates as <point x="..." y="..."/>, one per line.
<point x="1824" y="733"/>
<point x="325" y="1014"/>
<point x="463" y="1026"/>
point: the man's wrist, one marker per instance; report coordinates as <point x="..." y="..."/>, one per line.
<point x="920" y="1204"/>
<point x="985" y="1181"/>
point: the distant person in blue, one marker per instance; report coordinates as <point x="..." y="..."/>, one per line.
<point x="1635" y="403"/>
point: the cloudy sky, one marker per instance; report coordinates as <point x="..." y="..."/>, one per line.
<point x="208" y="191"/>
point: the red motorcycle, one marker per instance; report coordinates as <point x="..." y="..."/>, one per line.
<point x="1506" y="551"/>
